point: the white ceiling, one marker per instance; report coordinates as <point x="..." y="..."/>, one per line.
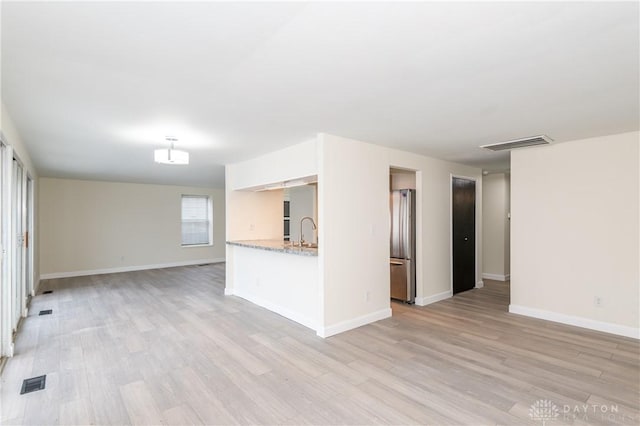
<point x="94" y="87"/>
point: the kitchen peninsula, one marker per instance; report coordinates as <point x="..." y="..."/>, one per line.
<point x="278" y="276"/>
<point x="262" y="267"/>
<point x="345" y="283"/>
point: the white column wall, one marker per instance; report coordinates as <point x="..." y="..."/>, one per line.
<point x="354" y="233"/>
<point x="353" y="208"/>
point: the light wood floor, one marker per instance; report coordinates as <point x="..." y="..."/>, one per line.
<point x="166" y="347"/>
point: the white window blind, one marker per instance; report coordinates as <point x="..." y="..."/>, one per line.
<point x="196" y="220"/>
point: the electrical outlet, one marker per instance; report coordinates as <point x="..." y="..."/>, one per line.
<point x="367" y="296"/>
<point x="597" y="301"/>
<point x="252" y="227"/>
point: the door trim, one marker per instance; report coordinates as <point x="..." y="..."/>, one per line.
<point x="419" y="264"/>
<point x="6" y="349"/>
<point x="30" y="222"/>
<point x="477" y="281"/>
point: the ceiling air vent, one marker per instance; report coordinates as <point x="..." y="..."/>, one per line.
<point x="519" y="143"/>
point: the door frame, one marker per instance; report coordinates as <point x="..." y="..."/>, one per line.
<point x="419" y="264"/>
<point x="30" y="222"/>
<point x="477" y="283"/>
<point x="6" y="225"/>
<point x="18" y="275"/>
<point x="6" y="347"/>
<point x="14" y="297"/>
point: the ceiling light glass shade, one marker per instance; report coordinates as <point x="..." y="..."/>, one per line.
<point x="171" y="156"/>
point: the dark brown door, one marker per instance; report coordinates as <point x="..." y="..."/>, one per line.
<point x="464" y="234"/>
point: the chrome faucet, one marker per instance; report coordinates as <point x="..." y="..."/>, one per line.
<point x="313" y="224"/>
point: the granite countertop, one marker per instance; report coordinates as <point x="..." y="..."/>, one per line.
<point x="275" y="245"/>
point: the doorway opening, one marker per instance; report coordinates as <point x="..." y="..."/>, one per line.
<point x="496" y="233"/>
<point x="18" y="267"/>
<point x="403" y="235"/>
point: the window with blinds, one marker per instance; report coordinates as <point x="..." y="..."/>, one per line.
<point x="196" y="220"/>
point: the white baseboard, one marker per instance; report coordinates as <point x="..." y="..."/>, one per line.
<point x="480" y="284"/>
<point x="128" y="268"/>
<point x="228" y="291"/>
<point x="496" y="277"/>
<point x="280" y="310"/>
<point x="353" y="323"/>
<point x="424" y="301"/>
<point x="607" y="327"/>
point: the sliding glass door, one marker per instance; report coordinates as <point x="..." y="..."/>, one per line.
<point x="18" y="267"/>
<point x="16" y="247"/>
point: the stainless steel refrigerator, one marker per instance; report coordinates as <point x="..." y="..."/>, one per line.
<point x="403" y="245"/>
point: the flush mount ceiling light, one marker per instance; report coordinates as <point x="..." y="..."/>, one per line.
<point x="519" y="143"/>
<point x="170" y="155"/>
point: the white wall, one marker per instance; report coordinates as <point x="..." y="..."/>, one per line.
<point x="354" y="228"/>
<point x="290" y="163"/>
<point x="88" y="226"/>
<point x="10" y="312"/>
<point x="495" y="226"/>
<point x="353" y="209"/>
<point x="12" y="137"/>
<point x="574" y="232"/>
<point x="282" y="282"/>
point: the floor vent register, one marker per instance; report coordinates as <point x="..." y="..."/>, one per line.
<point x="33" y="384"/>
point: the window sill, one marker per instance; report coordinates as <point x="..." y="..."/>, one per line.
<point x="196" y="245"/>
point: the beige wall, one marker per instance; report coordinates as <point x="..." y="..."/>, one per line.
<point x="403" y="180"/>
<point x="96" y="226"/>
<point x="255" y="215"/>
<point x="495" y="226"/>
<point x="574" y="232"/>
